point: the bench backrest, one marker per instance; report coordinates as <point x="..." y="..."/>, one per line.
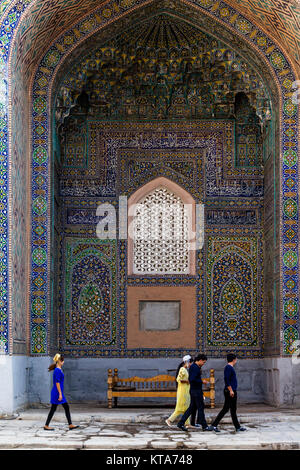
<point x="152" y="383"/>
<point x="157" y="382"/>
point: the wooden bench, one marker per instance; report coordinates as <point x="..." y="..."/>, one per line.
<point x="158" y="386"/>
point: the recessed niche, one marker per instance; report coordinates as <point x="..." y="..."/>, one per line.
<point x="158" y="315"/>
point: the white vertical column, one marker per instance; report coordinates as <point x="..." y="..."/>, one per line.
<point x="199" y="226"/>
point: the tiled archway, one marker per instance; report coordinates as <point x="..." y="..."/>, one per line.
<point x="278" y="66"/>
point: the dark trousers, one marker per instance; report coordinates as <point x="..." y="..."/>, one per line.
<point x="197" y="405"/>
<point x="193" y="418"/>
<point x="53" y="409"/>
<point x="229" y="404"/>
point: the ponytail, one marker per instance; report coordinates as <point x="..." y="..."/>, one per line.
<point x="56" y="358"/>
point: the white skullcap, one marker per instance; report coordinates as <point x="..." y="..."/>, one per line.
<point x="186" y="358"/>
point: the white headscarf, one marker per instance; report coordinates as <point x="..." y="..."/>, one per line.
<point x="186" y="358"/>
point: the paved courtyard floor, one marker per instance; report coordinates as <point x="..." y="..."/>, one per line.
<point x="145" y="428"/>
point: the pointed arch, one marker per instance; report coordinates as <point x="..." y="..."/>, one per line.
<point x="242" y="30"/>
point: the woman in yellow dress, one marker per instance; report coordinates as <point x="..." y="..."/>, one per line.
<point x="183" y="391"/>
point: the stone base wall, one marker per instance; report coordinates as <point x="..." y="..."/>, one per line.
<point x="273" y="381"/>
<point x="25" y="381"/>
<point x="281" y="382"/>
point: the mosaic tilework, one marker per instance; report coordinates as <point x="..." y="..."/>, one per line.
<point x="285" y="77"/>
<point x="222" y="178"/>
<point x="90" y="294"/>
<point x="3" y="6"/>
<point x="48" y="20"/>
<point x="7" y="28"/>
<point x="280" y="17"/>
<point x="248" y="136"/>
<point x="269" y="49"/>
<point x="233" y="298"/>
<point x="134" y="165"/>
<point x="185" y="74"/>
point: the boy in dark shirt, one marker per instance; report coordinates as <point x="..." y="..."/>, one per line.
<point x="230" y="393"/>
<point x="196" y="393"/>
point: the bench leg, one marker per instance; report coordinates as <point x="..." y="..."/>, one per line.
<point x="115" y="402"/>
<point x="109" y="402"/>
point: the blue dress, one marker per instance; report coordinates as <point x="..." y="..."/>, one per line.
<point x="58" y="376"/>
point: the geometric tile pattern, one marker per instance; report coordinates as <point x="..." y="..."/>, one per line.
<point x="150" y="160"/>
<point x="178" y="60"/>
<point x="233" y="292"/>
<point x="279" y="66"/>
<point x="89" y="293"/>
<point x="164" y="254"/>
<point x="281" y="18"/>
<point x="243" y="28"/>
<point x="46" y="21"/>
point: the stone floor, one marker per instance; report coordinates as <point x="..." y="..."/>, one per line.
<point x="144" y="428"/>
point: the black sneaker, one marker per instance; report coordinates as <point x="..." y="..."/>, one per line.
<point x="216" y="429"/>
<point x="241" y="429"/>
<point x="182" y="427"/>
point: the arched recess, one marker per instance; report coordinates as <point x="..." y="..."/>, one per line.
<point x="179" y="197"/>
<point x="51" y="56"/>
<point x="254" y="43"/>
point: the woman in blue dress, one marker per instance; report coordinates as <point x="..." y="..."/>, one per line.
<point x="57" y="392"/>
